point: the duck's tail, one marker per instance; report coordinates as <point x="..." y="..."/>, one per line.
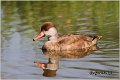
<point x="95" y="38"/>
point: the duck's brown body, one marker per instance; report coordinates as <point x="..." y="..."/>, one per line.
<point x="65" y="42"/>
<point x="71" y="42"/>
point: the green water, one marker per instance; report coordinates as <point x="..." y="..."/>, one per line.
<point x="21" y="21"/>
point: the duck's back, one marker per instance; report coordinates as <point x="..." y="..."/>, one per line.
<point x="72" y="42"/>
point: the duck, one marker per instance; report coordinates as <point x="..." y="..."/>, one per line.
<point x="64" y="42"/>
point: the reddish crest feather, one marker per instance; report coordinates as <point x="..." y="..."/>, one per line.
<point x="46" y="26"/>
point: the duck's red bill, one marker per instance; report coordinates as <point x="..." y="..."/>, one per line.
<point x="40" y="35"/>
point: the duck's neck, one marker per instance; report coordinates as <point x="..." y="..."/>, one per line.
<point x="53" y="38"/>
<point x="53" y="35"/>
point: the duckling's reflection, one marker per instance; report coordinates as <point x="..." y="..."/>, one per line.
<point x="50" y="68"/>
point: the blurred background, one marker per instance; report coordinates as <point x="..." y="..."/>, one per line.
<point x="21" y="21"/>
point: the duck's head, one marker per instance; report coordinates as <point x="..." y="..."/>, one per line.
<point x="47" y="29"/>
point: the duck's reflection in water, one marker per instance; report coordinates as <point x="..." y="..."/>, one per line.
<point x="50" y="68"/>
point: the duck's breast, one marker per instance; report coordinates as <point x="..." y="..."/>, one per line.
<point x="51" y="46"/>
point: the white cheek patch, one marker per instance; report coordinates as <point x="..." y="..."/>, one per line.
<point x="46" y="32"/>
<point x="51" y="31"/>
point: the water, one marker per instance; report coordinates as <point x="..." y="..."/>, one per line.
<point x="21" y="22"/>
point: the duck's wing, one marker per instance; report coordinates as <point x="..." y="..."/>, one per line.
<point x="74" y="42"/>
<point x="69" y="39"/>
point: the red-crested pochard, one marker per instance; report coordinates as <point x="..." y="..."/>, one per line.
<point x="64" y="42"/>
